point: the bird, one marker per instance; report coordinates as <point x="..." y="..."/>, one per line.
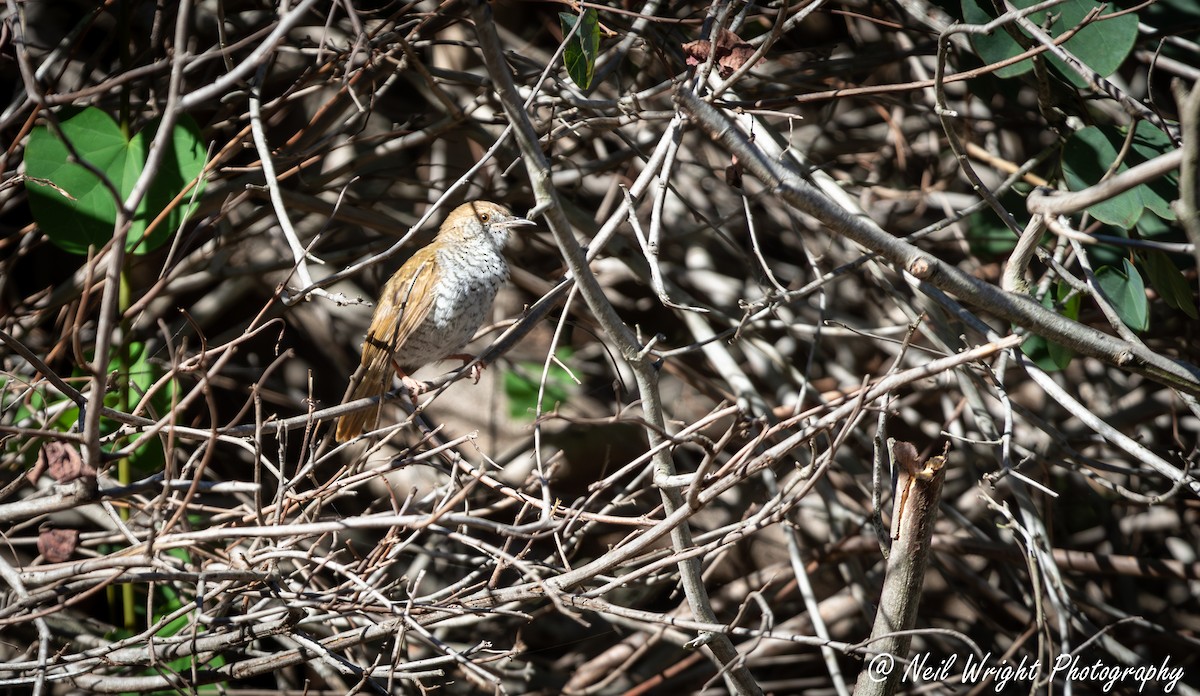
<point x="433" y="305"/>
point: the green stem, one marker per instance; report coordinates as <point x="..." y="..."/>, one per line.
<point x="124" y="474"/>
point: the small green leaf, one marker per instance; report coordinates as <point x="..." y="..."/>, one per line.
<point x="1154" y="228"/>
<point x="137" y="373"/>
<point x="23" y="402"/>
<point x="76" y="209"/>
<point x="1068" y="306"/>
<point x="1150" y="142"/>
<point x="1168" y="281"/>
<point x="582" y="48"/>
<point x="1127" y="294"/>
<point x="521" y="386"/>
<point x="986" y="232"/>
<point x="1046" y="354"/>
<point x="1105" y="253"/>
<point x="169" y="601"/>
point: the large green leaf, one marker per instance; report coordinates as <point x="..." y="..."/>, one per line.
<point x="1169" y="282"/>
<point x="1090" y="152"/>
<point x="70" y="202"/>
<point x="580" y="53"/>
<point x="1127" y="293"/>
<point x="1102" y="45"/>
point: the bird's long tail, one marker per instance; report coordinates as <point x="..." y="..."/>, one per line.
<point x="376" y="375"/>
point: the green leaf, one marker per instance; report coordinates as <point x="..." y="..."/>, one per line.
<point x="986" y="232"/>
<point x="1102" y="46"/>
<point x="1127" y="294"/>
<point x="521" y="386"/>
<point x="1148" y="143"/>
<point x="76" y="209"/>
<point x="1087" y="156"/>
<point x="1169" y="282"/>
<point x="1154" y="228"/>
<point x="136" y="373"/>
<point x="581" y="50"/>
<point x="1048" y="355"/>
<point x="22" y="402"/>
<point x="1069" y="305"/>
<point x="169" y="601"/>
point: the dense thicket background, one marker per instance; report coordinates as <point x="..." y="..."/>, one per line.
<point x="518" y="537"/>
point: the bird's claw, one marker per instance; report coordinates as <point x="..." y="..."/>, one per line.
<point x="414" y="387"/>
<point x="477" y="367"/>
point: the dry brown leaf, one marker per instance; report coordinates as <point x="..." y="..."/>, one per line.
<point x="62" y="462"/>
<point x="57" y="545"/>
<point x="732" y="52"/>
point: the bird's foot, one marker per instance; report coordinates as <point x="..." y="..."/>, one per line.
<point x="476" y="369"/>
<point x="414" y="387"/>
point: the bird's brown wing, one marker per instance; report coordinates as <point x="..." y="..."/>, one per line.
<point x="409" y="294"/>
<point x="405" y="303"/>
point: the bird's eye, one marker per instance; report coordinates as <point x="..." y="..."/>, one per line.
<point x="484" y="217"/>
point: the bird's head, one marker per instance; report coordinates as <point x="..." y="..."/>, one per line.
<point x="482" y="219"/>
